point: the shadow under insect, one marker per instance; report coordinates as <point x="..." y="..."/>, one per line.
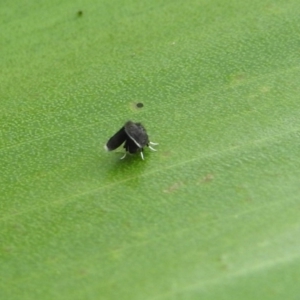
<point x="134" y="137"/>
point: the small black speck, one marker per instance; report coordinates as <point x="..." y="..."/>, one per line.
<point x="139" y="105"/>
<point x="79" y="13"/>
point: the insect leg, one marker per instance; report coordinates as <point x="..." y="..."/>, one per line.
<point x="152" y="148"/>
<point x="123" y="155"/>
<point x="142" y="155"/>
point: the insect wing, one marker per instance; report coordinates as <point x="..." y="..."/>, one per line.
<point x="116" y="140"/>
<point x="137" y="133"/>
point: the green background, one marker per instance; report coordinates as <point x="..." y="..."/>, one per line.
<point x="214" y="213"/>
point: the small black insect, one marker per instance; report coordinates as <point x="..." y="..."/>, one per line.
<point x="135" y="137"/>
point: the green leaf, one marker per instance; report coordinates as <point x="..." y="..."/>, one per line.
<point x="214" y="213"/>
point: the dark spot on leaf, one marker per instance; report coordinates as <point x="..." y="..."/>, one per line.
<point x="79" y="13"/>
<point x="139" y="105"/>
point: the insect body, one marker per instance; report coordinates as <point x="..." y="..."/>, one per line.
<point x="135" y="137"/>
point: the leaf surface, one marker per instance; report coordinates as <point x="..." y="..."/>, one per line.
<point x="214" y="213"/>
